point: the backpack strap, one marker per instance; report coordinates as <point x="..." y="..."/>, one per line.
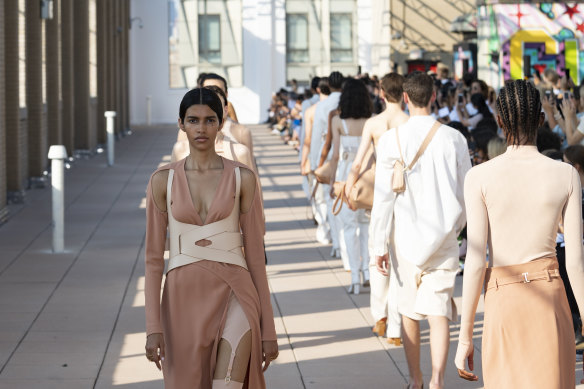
<point x="422" y="148"/>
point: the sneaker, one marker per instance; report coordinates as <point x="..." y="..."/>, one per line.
<point x="275" y="131"/>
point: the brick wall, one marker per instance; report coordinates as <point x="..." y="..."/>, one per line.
<point x="68" y="105"/>
<point x="37" y="139"/>
<point x="3" y="187"/>
<point x="53" y="77"/>
<point x="81" y="74"/>
<point x="15" y="138"/>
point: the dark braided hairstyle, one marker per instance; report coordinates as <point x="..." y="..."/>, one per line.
<point x="519" y="108"/>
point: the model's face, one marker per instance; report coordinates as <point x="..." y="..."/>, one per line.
<point x="201" y="125"/>
<point x="215" y="82"/>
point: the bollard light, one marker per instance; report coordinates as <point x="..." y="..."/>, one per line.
<point x="57" y="155"/>
<point x="110" y="115"/>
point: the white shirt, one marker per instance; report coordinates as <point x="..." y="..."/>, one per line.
<point x="305" y="105"/>
<point x="320" y="126"/>
<point x="431" y="211"/>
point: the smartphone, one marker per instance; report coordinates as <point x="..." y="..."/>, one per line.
<point x="568" y="74"/>
<point x="537" y="74"/>
<point x="566" y="96"/>
<point x="548" y="94"/>
<point x="460" y="98"/>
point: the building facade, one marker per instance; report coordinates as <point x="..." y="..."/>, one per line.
<point x="257" y="45"/>
<point x="63" y="63"/>
<point x="260" y="45"/>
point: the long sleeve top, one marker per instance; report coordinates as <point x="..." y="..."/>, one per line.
<point x="252" y="228"/>
<point x="432" y="207"/>
<point x="515" y="203"/>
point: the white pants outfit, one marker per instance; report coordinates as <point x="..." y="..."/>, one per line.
<point x="353" y="226"/>
<point x="383" y="299"/>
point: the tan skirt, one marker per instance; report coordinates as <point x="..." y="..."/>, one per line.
<point x="528" y="336"/>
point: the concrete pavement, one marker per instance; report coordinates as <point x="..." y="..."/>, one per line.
<point x="76" y="320"/>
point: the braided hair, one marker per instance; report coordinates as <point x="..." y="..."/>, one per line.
<point x="519" y="108"/>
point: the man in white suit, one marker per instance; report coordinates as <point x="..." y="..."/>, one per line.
<point x="420" y="226"/>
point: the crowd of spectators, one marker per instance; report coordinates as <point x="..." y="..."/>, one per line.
<point x="468" y="105"/>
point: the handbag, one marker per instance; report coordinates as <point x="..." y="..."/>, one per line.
<point x="361" y="194"/>
<point x="324" y="173"/>
<point x="398" y="180"/>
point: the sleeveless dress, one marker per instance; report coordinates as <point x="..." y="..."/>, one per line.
<point x="202" y="281"/>
<point x="353" y="225"/>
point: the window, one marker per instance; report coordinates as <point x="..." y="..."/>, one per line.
<point x="341" y="37"/>
<point x="210" y="38"/>
<point x="297" y="38"/>
<point x="181" y="54"/>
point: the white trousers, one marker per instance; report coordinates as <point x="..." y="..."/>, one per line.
<point x="384" y="298"/>
<point x="354" y="239"/>
<point x="331" y="219"/>
<point x="319" y="208"/>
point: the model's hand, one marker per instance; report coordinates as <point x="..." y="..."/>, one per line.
<point x="155" y="349"/>
<point x="465" y="352"/>
<point x="382" y="263"/>
<point x="305" y="168"/>
<point x="269" y="351"/>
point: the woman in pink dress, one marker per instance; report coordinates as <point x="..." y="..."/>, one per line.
<point x="214" y="326"/>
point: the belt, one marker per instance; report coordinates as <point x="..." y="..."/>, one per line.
<point x="525" y="278"/>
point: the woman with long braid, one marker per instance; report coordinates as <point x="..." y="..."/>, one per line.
<point x="515" y="203"/>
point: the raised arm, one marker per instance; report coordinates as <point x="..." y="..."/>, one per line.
<point x="474" y="270"/>
<point x="570" y="125"/>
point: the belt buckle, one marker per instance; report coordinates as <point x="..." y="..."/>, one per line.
<point x="345" y="155"/>
<point x="525" y="279"/>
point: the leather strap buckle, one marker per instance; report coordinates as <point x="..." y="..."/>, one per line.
<point x="526" y="280"/>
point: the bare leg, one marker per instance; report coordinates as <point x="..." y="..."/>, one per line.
<point x="411" y="337"/>
<point x="439" y="342"/>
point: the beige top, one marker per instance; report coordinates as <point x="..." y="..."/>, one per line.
<point x="515" y="203"/>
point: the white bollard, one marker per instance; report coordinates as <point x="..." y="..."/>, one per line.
<point x="110" y="115"/>
<point x="57" y="155"/>
<point x="149" y="109"/>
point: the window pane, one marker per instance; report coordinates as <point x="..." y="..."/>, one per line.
<point x="181" y="56"/>
<point x="297" y="37"/>
<point x="210" y="38"/>
<point x="341" y="37"/>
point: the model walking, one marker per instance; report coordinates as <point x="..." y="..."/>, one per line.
<point x="214" y="326"/>
<point x="515" y="203"/>
<point x="353" y="111"/>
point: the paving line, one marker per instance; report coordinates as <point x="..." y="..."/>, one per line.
<point x="139" y="165"/>
<point x="335" y="273"/>
<point x="109" y="341"/>
<point x="72" y="202"/>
